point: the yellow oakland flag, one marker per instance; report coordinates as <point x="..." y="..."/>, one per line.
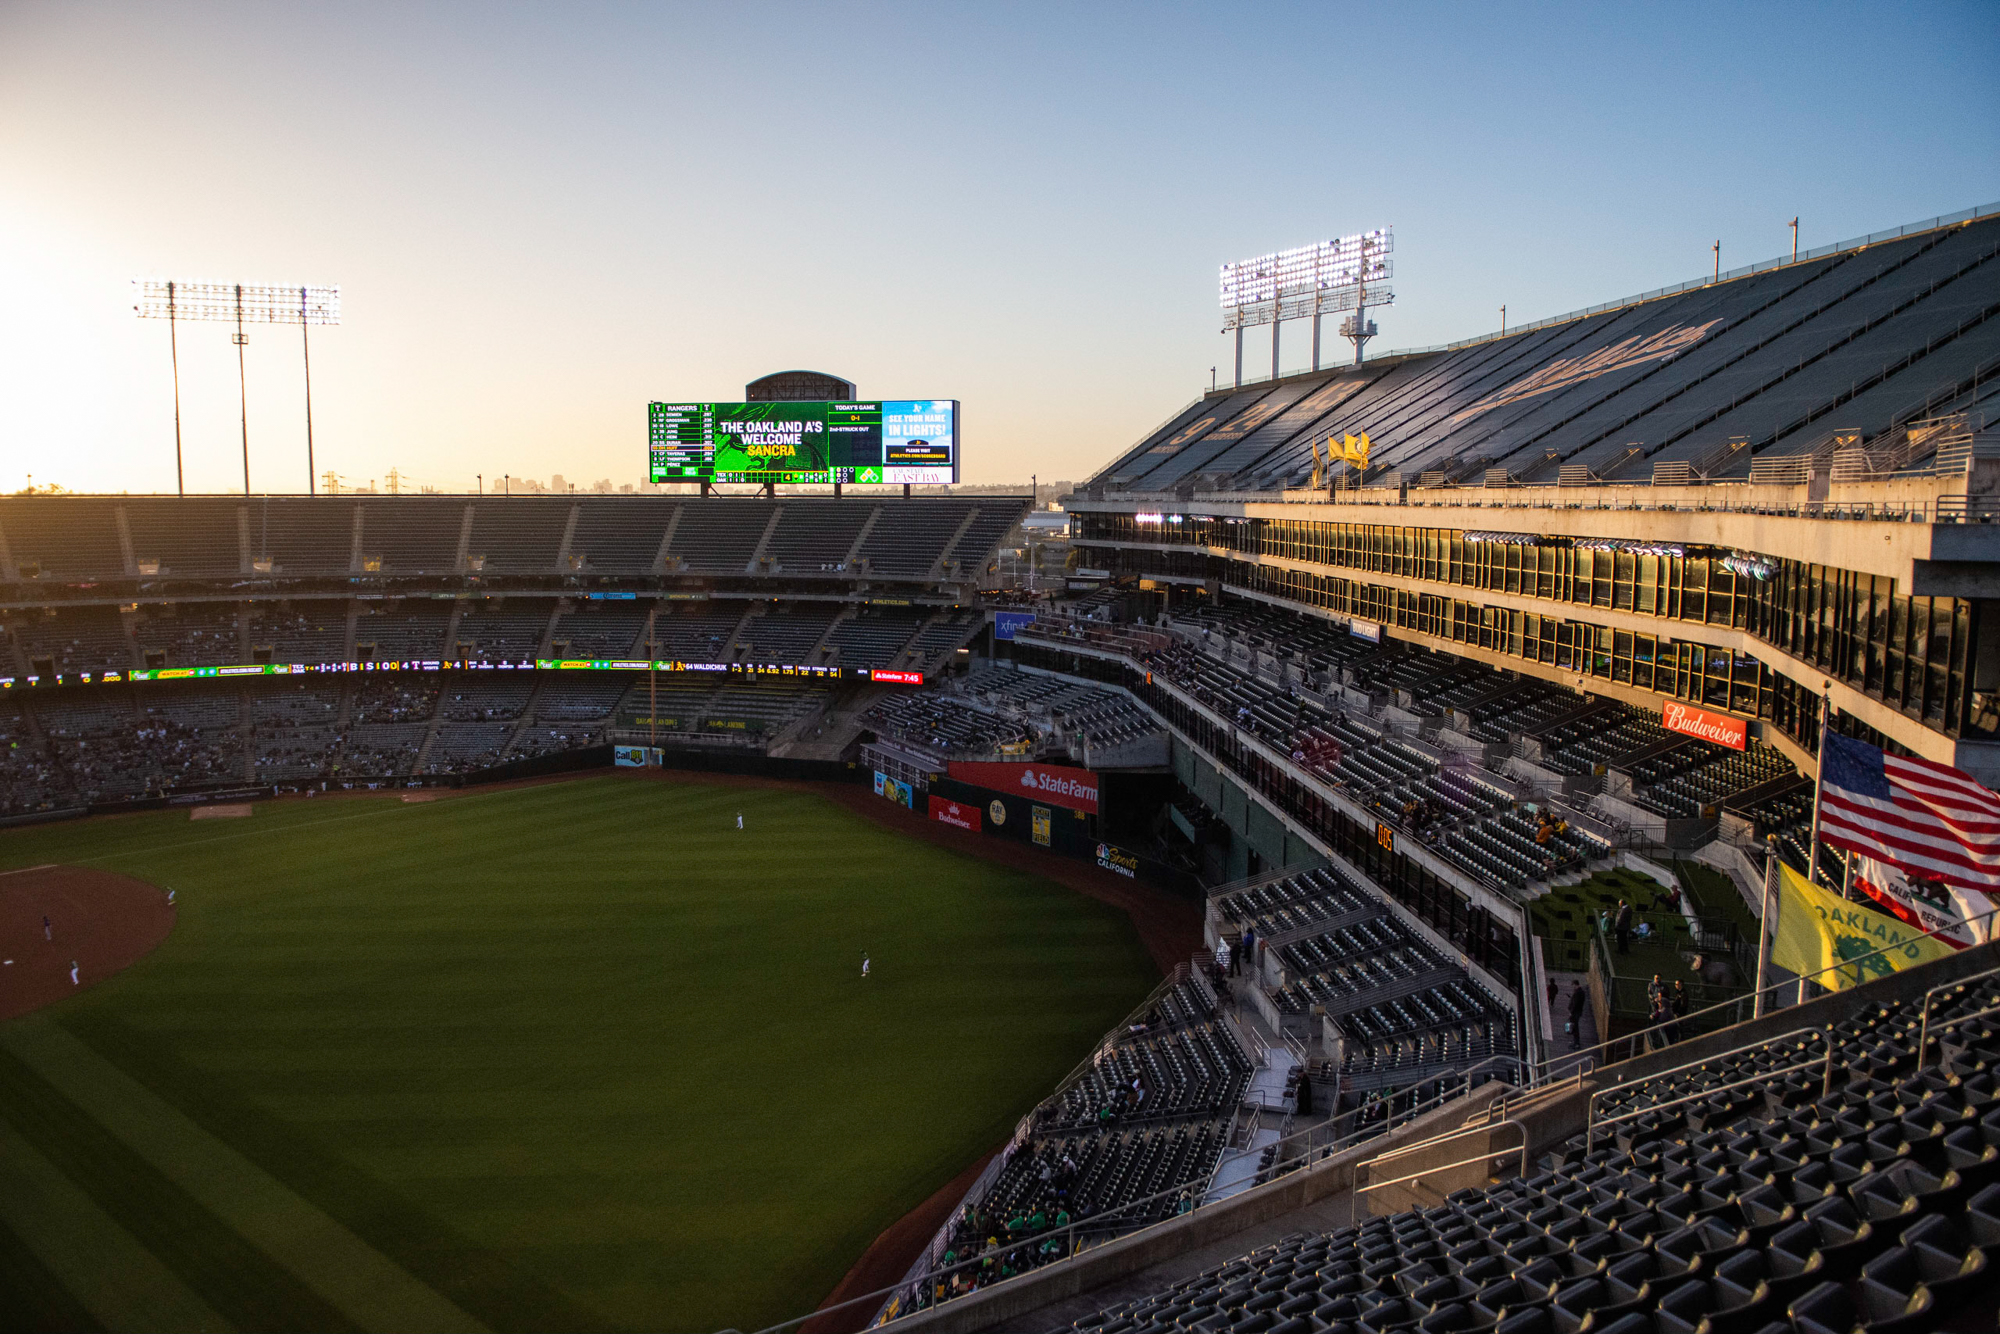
<point x="1354" y="448"/>
<point x="1819" y="930"/>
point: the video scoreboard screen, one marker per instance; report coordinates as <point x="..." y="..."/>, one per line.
<point x="904" y="440"/>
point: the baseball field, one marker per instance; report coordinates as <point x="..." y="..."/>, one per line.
<point x="575" y="1056"/>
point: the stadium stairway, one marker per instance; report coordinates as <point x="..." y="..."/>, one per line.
<point x="1829" y="1167"/>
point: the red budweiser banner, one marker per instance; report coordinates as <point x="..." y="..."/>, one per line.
<point x="1056" y="784"/>
<point x="961" y="814"/>
<point x="1717" y="727"/>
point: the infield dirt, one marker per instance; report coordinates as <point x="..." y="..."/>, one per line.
<point x="100" y="921"/>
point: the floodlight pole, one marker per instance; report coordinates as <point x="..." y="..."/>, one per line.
<point x="1318" y="290"/>
<point x="174" y="354"/>
<point x="305" y="343"/>
<point x="242" y="386"/>
<point x="1277" y="323"/>
<point x="1239" y="348"/>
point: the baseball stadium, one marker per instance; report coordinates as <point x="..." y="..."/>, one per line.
<point x="1248" y="892"/>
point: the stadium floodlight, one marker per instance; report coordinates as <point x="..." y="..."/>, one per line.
<point x="1349" y="273"/>
<point x="303" y="304"/>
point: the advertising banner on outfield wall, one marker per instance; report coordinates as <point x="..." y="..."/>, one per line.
<point x="958" y="814"/>
<point x="895" y="789"/>
<point x="1056" y="784"/>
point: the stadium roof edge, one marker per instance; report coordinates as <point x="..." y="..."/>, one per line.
<point x="1763" y="266"/>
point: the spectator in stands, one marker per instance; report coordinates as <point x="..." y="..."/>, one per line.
<point x="1576" y="1016"/>
<point x="1624" y="927"/>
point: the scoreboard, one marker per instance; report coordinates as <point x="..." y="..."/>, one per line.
<point x="889" y="441"/>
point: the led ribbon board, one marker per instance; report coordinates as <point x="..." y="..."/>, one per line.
<point x="796" y="671"/>
<point x="889" y="441"/>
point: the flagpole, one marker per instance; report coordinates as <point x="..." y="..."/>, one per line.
<point x="1764" y="928"/>
<point x="1819" y="791"/>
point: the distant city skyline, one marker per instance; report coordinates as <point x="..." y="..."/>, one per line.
<point x="540" y="219"/>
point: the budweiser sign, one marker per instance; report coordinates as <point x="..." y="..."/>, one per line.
<point x="955" y="813"/>
<point x="1717" y="727"/>
<point x="1056" y="784"/>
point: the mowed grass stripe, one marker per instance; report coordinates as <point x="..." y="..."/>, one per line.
<point x="32" y="1299"/>
<point x="595" y="1031"/>
<point x="372" y="1292"/>
<point x="235" y="1279"/>
<point x="88" y="1257"/>
<point x="477" y="1279"/>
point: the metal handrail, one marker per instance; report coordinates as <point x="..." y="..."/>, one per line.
<point x="1096" y="1223"/>
<point x="1359" y="1191"/>
<point x="1987" y="1013"/>
<point x="1590" y="1122"/>
<point x="1590" y="1126"/>
<point x="1924" y="1029"/>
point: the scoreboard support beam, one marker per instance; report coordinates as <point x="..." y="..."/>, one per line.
<point x="906" y="490"/>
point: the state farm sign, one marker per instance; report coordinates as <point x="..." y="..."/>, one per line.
<point x="1056" y="784"/>
<point x="1717" y="727"/>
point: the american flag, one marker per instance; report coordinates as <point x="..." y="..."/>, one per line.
<point x="1924" y="817"/>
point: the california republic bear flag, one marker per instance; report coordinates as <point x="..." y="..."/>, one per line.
<point x="1961" y="917"/>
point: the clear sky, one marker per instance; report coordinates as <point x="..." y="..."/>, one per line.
<point x="543" y="216"/>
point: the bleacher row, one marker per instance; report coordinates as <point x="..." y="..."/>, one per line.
<point x="107" y="743"/>
<point x="87" y="538"/>
<point x="93" y="639"/>
<point x="1467" y="818"/>
<point x="1082" y="714"/>
<point x="1403" y="1010"/>
<point x="1149" y="1117"/>
<point x="1467" y="813"/>
<point x="1772" y="1206"/>
<point x="1874" y="334"/>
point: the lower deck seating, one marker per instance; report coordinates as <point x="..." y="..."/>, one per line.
<point x="1780" y="1207"/>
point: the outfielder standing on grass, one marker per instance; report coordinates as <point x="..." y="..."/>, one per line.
<point x="72" y="973"/>
<point x="739" y="819"/>
<point x="864" y="963"/>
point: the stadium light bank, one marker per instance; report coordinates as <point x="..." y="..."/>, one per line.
<point x="1305" y="283"/>
<point x="303" y="304"/>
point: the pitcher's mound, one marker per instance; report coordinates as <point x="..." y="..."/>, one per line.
<point x="54" y="916"/>
<point x="232" y="812"/>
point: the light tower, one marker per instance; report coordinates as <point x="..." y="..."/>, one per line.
<point x="1307" y="283"/>
<point x="303" y="304"/>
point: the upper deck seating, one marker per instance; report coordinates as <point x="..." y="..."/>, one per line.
<point x="509" y="630"/>
<point x="413" y="630"/>
<point x="815" y="535"/>
<point x="522" y="533"/>
<point x="874" y="637"/>
<point x="602" y="630"/>
<point x="720" y="536"/>
<point x="910" y="537"/>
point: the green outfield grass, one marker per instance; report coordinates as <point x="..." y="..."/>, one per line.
<point x="577" y="1056"/>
